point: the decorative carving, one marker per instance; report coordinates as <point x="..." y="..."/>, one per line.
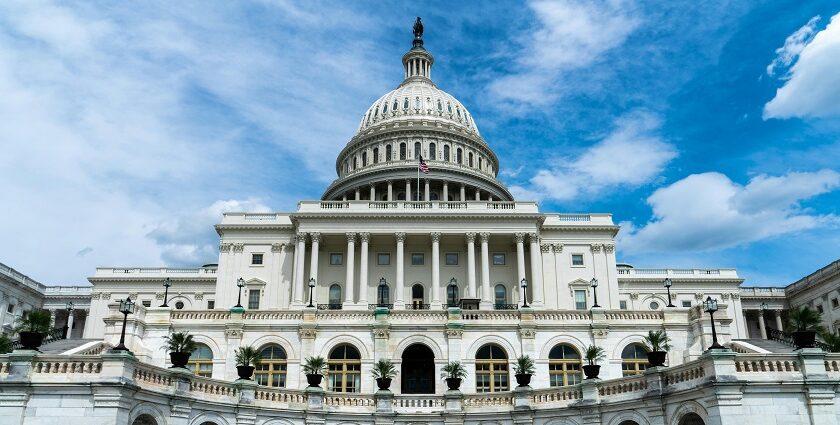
<point x="400" y="236"/>
<point x="315" y="237"/>
<point x="533" y="238"/>
<point x="454" y="333"/>
<point x="300" y="237"/>
<point x="558" y="247"/>
<point x="724" y="296"/>
<point x="307" y="332"/>
<point x="225" y="247"/>
<point x="600" y="332"/>
<point x="518" y="237"/>
<point x="527" y="333"/>
<point x="634" y="295"/>
<point x="159" y="295"/>
<point x="435" y="236"/>
<point x="381" y="333"/>
<point x="609" y="248"/>
<point x="545" y="248"/>
<point x="277" y="247"/>
<point x="484" y="236"/>
<point x="132" y="295"/>
<point x="470" y="237"/>
<point x="596" y="248"/>
<point x="736" y="296"/>
<point x="364" y="237"/>
<point x="199" y="295"/>
<point x="106" y="295"/>
<point x="351" y="237"/>
<point x="238" y="247"/>
<point x="698" y="296"/>
<point x="233" y="333"/>
<point x="95" y="296"/>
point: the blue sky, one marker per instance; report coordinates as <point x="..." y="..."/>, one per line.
<point x="711" y="131"/>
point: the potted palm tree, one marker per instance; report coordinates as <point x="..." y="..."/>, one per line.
<point x="5" y="344"/>
<point x="593" y="354"/>
<point x="314" y="368"/>
<point x="804" y="324"/>
<point x="453" y="373"/>
<point x="658" y="343"/>
<point x="831" y="341"/>
<point x="523" y="369"/>
<point x="32" y="328"/>
<point x="384" y="371"/>
<point x="246" y="359"/>
<point x="180" y="346"/>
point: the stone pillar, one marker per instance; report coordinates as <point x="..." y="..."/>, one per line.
<point x="344" y="197"/>
<point x="445" y="191"/>
<point x="315" y="238"/>
<point x="390" y="191"/>
<point x="778" y="314"/>
<point x="372" y="192"/>
<point x="408" y="190"/>
<point x="471" y="292"/>
<point x="536" y="270"/>
<point x="358" y="195"/>
<point x="351" y="272"/>
<point x="519" y="238"/>
<point x="69" y="324"/>
<point x="399" y="303"/>
<point x="463" y="193"/>
<point x="300" y="253"/>
<point x="486" y="294"/>
<point x="761" y="326"/>
<point x="4" y="305"/>
<point x="426" y="196"/>
<point x="52" y="319"/>
<point x="435" y="302"/>
<point x="477" y="194"/>
<point x="363" y="268"/>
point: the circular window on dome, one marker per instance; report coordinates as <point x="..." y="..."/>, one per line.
<point x="179" y="305"/>
<point x="654" y="305"/>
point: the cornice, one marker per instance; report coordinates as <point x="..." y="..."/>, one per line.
<point x="256" y="226"/>
<point x="145" y="279"/>
<point x="658" y="280"/>
<point x="415" y="217"/>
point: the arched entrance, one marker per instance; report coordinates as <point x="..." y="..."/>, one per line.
<point x="144" y="419"/>
<point x="691" y="418"/>
<point x="418" y="370"/>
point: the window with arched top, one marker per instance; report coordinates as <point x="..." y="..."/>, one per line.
<point x="417" y="150"/>
<point x="564" y="366"/>
<point x="376" y="112"/>
<point x="417" y="102"/>
<point x="355" y="162"/>
<point x="470" y="159"/>
<point x="459" y="156"/>
<point x="432" y="151"/>
<point x="201" y="361"/>
<point x="388" y="152"/>
<point x="394" y="106"/>
<point x="434" y="196"/>
<point x="405" y="104"/>
<point x="691" y="418"/>
<point x="480" y="163"/>
<point x="271" y="370"/>
<point x="467" y="118"/>
<point x="458" y="111"/>
<point x="633" y="360"/>
<point x="491" y="369"/>
<point x="417" y="296"/>
<point x="452" y="295"/>
<point x="446" y="152"/>
<point x="401" y="196"/>
<point x="335" y="294"/>
<point x="428" y="103"/>
<point x="384" y="108"/>
<point x="364" y="159"/>
<point x="500" y="295"/>
<point x="449" y="107"/>
<point x="375" y="155"/>
<point x="440" y="105"/>
<point x="344" y="369"/>
<point x="402" y="151"/>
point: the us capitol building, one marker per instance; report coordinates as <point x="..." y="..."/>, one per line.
<point x="423" y="271"/>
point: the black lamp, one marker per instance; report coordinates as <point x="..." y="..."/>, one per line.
<point x="241" y="284"/>
<point x="126" y="308"/>
<point x="524" y="285"/>
<point x="166" y="284"/>
<point x="710" y="306"/>
<point x="454" y="283"/>
<point x="69" y="307"/>
<point x="668" y="284"/>
<point x="594" y="284"/>
<point x="311" y="289"/>
<point x="381" y="292"/>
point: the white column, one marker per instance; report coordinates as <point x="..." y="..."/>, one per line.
<point x="477" y="194"/>
<point x="761" y="326"/>
<point x="536" y="270"/>
<point x="435" y="270"/>
<point x="351" y="262"/>
<point x="471" y="292"/>
<point x="427" y="195"/>
<point x="363" y="269"/>
<point x="4" y="305"/>
<point x="300" y="254"/>
<point x="344" y="197"/>
<point x="408" y="190"/>
<point x="315" y="238"/>
<point x="70" y="324"/>
<point x="463" y="193"/>
<point x="445" y="192"/>
<point x="486" y="296"/>
<point x="778" y="314"/>
<point x="519" y="238"/>
<point x="390" y="191"/>
<point x="399" y="303"/>
<point x="372" y="192"/>
<point x="358" y="195"/>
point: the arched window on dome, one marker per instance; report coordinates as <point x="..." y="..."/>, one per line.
<point x="633" y="360"/>
<point x="480" y="165"/>
<point x="491" y="369"/>
<point x="375" y="155"/>
<point x="384" y="108"/>
<point x="458" y="111"/>
<point x="405" y="104"/>
<point x="367" y="118"/>
<point x="417" y="102"/>
<point x="459" y="156"/>
<point x="376" y="112"/>
<point x="440" y="105"/>
<point x="355" y="162"/>
<point x="429" y="103"/>
<point x="364" y="159"/>
<point x="417" y="150"/>
<point x="467" y="118"/>
<point x="470" y="159"/>
<point x="388" y="152"/>
<point x="446" y="153"/>
<point x="449" y="107"/>
<point x="394" y="106"/>
<point x="271" y="370"/>
<point x="564" y="366"/>
<point x="402" y="151"/>
<point x="432" y="152"/>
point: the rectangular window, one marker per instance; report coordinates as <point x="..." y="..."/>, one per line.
<point x="498" y="259"/>
<point x="10" y="308"/>
<point x="820" y="309"/>
<point x="686" y="303"/>
<point x="577" y="260"/>
<point x="580" y="299"/>
<point x="256" y="259"/>
<point x="254" y="299"/>
<point x="336" y="259"/>
<point x="622" y="304"/>
<point x="418" y="259"/>
<point x="211" y="304"/>
<point x="451" y="259"/>
<point x="147" y="303"/>
<point x="383" y="259"/>
<point x="834" y="303"/>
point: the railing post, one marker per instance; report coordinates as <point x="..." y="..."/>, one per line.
<point x="118" y="366"/>
<point x="315" y="398"/>
<point x="819" y="390"/>
<point x="522" y="397"/>
<point x="182" y="378"/>
<point x="384" y="401"/>
<point x="20" y="365"/>
<point x="727" y="405"/>
<point x="454" y="401"/>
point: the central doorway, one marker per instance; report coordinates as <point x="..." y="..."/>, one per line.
<point x="418" y="370"/>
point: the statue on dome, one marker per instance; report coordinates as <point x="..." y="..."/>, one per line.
<point x="418" y="28"/>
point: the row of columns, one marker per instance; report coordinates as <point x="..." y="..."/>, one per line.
<point x="470" y="238"/>
<point x="762" y="327"/>
<point x="357" y="195"/>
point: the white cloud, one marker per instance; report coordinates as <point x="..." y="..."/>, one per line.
<point x="709" y="211"/>
<point x="630" y="156"/>
<point x="569" y="35"/>
<point x="812" y="84"/>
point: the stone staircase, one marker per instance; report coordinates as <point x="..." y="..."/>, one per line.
<point x="770" y="345"/>
<point x="62" y="345"/>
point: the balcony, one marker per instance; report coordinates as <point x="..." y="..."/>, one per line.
<point x="678" y="273"/>
<point x="505" y="306"/>
<point x="417" y="306"/>
<point x="415" y="207"/>
<point x="154" y="272"/>
<point x="329" y="306"/>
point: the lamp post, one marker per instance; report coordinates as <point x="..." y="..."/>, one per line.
<point x="668" y="284"/>
<point x="594" y="284"/>
<point x="69" y="324"/>
<point x="126" y="308"/>
<point x="380" y="292"/>
<point x="524" y="284"/>
<point x="166" y="284"/>
<point x="241" y="284"/>
<point x="311" y="289"/>
<point x="710" y="306"/>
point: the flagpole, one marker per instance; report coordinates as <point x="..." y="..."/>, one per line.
<point x="418" y="180"/>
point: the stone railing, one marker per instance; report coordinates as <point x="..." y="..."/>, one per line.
<point x="280" y="396"/>
<point x="212" y="387"/>
<point x="684" y="373"/>
<point x="766" y="363"/>
<point x="562" y="316"/>
<point x="635" y="315"/>
<point x="629" y="384"/>
<point x="199" y="315"/>
<point x="762" y="292"/>
<point x="418" y="403"/>
<point x="47" y="368"/>
<point x="273" y="315"/>
<point x="687" y="273"/>
<point x="151" y="375"/>
<point x="489" y="400"/>
<point x="155" y="272"/>
<point x="459" y="207"/>
<point x="490" y="315"/>
<point x="558" y="396"/>
<point x="350" y="402"/>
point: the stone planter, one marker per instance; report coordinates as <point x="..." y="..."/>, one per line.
<point x="523" y="379"/>
<point x="591" y="370"/>
<point x="383" y="383"/>
<point x="802" y="339"/>
<point x="453" y="383"/>
<point x="179" y="359"/>
<point x="314" y="380"/>
<point x="657" y="358"/>
<point x="31" y="340"/>
<point x="245" y="372"/>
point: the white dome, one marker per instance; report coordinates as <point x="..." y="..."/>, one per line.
<point x="418" y="98"/>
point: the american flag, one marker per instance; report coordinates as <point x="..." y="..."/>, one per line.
<point x="423" y="166"/>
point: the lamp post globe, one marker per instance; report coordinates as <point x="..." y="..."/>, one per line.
<point x="668" y="284"/>
<point x="710" y="306"/>
<point x="126" y="308"/>
<point x="380" y="292"/>
<point x="166" y="284"/>
<point x="311" y="291"/>
<point x="594" y="284"/>
<point x="241" y="284"/>
<point x="524" y="285"/>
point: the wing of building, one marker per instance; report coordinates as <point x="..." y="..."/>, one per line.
<point x="422" y="269"/>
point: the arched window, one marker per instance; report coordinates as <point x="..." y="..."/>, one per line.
<point x="449" y="107"/>
<point x="446" y="152"/>
<point x="401" y="196"/>
<point x="458" y="111"/>
<point x="417" y="150"/>
<point x="480" y="163"/>
<point x="470" y="159"/>
<point x="564" y="366"/>
<point x="376" y="112"/>
<point x="467" y="118"/>
<point x="417" y="102"/>
<point x="388" y="152"/>
<point x="201" y="361"/>
<point x="402" y="151"/>
<point x="434" y="196"/>
<point x="459" y="156"/>
<point x="271" y="371"/>
<point x="432" y="152"/>
<point x="364" y="159"/>
<point x="375" y="155"/>
<point x="633" y="360"/>
<point x="144" y="419"/>
<point x="691" y="418"/>
<point x="500" y="295"/>
<point x="440" y="105"/>
<point x="394" y="107"/>
<point x="405" y="104"/>
<point x="384" y="108"/>
<point x="335" y="295"/>
<point x="345" y="369"/>
<point x="452" y="295"/>
<point x="355" y="162"/>
<point x="491" y="369"/>
<point x="417" y="296"/>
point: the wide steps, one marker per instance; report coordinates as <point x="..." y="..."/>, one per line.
<point x="62" y="345"/>
<point x="770" y="345"/>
